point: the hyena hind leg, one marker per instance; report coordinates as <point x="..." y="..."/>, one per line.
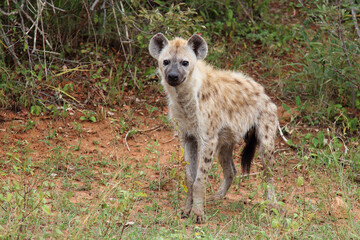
<point x="266" y="133"/>
<point x="266" y="155"/>
<point x="229" y="171"/>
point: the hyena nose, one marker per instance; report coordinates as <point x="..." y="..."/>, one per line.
<point x="173" y="77"/>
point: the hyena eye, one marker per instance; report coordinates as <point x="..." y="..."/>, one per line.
<point x="185" y="63"/>
<point x="166" y="62"/>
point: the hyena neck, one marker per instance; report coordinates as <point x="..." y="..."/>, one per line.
<point x="186" y="94"/>
<point x="183" y="99"/>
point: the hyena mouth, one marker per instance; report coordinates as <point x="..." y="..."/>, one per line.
<point x="174" y="81"/>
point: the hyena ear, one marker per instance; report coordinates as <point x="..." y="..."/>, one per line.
<point x="157" y="43"/>
<point x="198" y="45"/>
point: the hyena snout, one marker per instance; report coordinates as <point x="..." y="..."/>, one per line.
<point x="175" y="78"/>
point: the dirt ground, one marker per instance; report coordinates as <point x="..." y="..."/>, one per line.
<point x="154" y="148"/>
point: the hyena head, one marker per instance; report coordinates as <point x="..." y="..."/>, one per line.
<point x="177" y="58"/>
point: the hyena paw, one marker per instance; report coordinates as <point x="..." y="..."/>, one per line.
<point x="185" y="211"/>
<point x="278" y="207"/>
<point x="199" y="215"/>
<point x="270" y="195"/>
<point x="216" y="197"/>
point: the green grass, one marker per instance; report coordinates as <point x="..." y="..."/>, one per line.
<point x="76" y="194"/>
<point x="71" y="176"/>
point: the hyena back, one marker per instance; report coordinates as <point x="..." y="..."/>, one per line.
<point x="213" y="110"/>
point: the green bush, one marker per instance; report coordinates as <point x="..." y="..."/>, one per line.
<point x="332" y="50"/>
<point x="101" y="46"/>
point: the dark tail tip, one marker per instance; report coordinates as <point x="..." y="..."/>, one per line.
<point x="249" y="151"/>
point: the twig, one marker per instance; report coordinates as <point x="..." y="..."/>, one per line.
<point x="42" y="28"/>
<point x="340" y="32"/>
<point x="63" y="92"/>
<point x="40" y="8"/>
<point x="250" y="174"/>
<point x="121" y="41"/>
<point x="55" y="8"/>
<point x="34" y="22"/>
<point x="118" y="32"/>
<point x="5" y="71"/>
<point x="167" y="141"/>
<point x="353" y="13"/>
<point x="8" y="13"/>
<point x="349" y="79"/>
<point x="105" y="193"/>
<point x="126" y="29"/>
<point x="135" y="131"/>
<point x="92" y="27"/>
<point x="22" y="27"/>
<point x="9" y="47"/>
<point x="346" y="148"/>
<point x="49" y="52"/>
<point x="222" y="229"/>
<point x="125" y="140"/>
<point x="103" y="6"/>
<point x="93" y="5"/>
<point x="246" y="12"/>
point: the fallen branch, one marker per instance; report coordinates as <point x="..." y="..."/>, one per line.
<point x="135" y="131"/>
<point x="171" y="139"/>
<point x="250" y="174"/>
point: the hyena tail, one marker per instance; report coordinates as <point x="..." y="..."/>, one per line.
<point x="249" y="150"/>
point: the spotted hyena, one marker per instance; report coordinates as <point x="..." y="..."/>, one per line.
<point x="213" y="110"/>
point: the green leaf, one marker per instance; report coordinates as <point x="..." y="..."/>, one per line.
<point x="8" y="197"/>
<point x="58" y="232"/>
<point x="150" y="71"/>
<point x="46" y="209"/>
<point x="353" y="124"/>
<point x="92" y="119"/>
<point x="132" y="132"/>
<point x="321" y="138"/>
<point x="35" y="110"/>
<point x="300" y="181"/>
<point x="298" y="102"/>
<point x="275" y="223"/>
<point x="295" y="225"/>
<point x="141" y="194"/>
<point x="286" y="107"/>
<point x="229" y="14"/>
<point x="315" y="142"/>
<point x="308" y="136"/>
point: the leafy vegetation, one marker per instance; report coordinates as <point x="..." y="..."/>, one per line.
<point x="111" y="169"/>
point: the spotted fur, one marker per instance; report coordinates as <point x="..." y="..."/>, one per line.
<point x="213" y="110"/>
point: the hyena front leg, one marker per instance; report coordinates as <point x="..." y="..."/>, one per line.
<point x="229" y="171"/>
<point x="199" y="187"/>
<point x="190" y="146"/>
